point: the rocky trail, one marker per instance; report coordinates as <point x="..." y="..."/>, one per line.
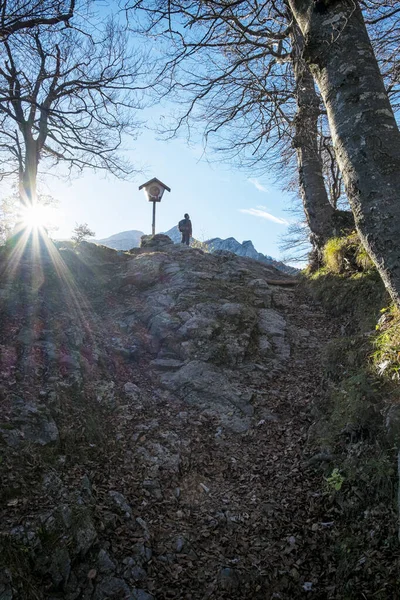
<point x="155" y="430"/>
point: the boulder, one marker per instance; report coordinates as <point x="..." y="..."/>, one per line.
<point x="155" y="242"/>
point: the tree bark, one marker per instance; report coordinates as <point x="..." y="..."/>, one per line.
<point x="317" y="208"/>
<point x="363" y="127"/>
<point x="28" y="174"/>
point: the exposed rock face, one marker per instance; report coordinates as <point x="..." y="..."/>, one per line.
<point x="207" y="317"/>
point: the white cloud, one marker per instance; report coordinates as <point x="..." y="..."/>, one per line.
<point x="257" y="184"/>
<point x="263" y="214"/>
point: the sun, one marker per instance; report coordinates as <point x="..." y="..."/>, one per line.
<point x="38" y="216"/>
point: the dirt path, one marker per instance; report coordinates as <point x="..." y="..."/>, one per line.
<point x="230" y="515"/>
<point x="127" y="489"/>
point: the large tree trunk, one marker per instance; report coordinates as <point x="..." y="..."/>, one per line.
<point x="317" y="208"/>
<point x="363" y="127"/>
<point x="28" y="174"/>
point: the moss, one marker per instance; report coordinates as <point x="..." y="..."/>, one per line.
<point x="350" y="418"/>
<point x="356" y="299"/>
<point x="386" y="355"/>
<point x="346" y="255"/>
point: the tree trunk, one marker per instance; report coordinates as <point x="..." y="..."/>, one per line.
<point x="363" y="127"/>
<point x="317" y="208"/>
<point x="28" y="175"/>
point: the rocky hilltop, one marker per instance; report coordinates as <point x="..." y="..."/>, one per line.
<point x="131" y="239"/>
<point x="154" y="421"/>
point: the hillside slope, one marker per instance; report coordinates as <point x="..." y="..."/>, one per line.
<point x="154" y="431"/>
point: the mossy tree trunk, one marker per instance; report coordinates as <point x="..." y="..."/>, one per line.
<point x="317" y="208"/>
<point x="364" y="130"/>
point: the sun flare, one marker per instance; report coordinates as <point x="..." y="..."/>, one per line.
<point x="38" y="216"/>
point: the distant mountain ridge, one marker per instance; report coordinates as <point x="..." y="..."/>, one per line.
<point x="125" y="240"/>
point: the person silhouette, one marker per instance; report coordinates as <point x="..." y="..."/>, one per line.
<point x="185" y="227"/>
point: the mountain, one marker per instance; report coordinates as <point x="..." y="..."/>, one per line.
<point x="125" y="240"/>
<point x="230" y="244"/>
<point x="131" y="239"/>
<point x="247" y="249"/>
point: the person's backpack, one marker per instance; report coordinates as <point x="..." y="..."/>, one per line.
<point x="183" y="226"/>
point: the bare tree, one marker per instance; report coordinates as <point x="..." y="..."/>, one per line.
<point x="66" y="97"/>
<point x="382" y="18"/>
<point x="253" y="97"/>
<point x="81" y="232"/>
<point x="16" y="15"/>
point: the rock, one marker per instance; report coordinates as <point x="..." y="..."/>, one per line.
<point x="69" y="362"/>
<point x="112" y="588"/>
<point x="144" y="271"/>
<point x="155" y="242"/>
<point x="121" y="503"/>
<point x="132" y="390"/>
<point x="162" y="325"/>
<point x="86" y="488"/>
<point x="320" y="457"/>
<point x="130" y="353"/>
<point x="85" y="534"/>
<point x="228" y="579"/>
<point x="141" y="553"/>
<point x="200" y="326"/>
<point x="265" y="346"/>
<point x="135" y="572"/>
<point x="128" y="322"/>
<point x="72" y="590"/>
<point x="166" y="364"/>
<point x="203" y="385"/>
<point x="105" y="393"/>
<point x="141" y="595"/>
<point x="142" y="523"/>
<point x="105" y="563"/>
<point x="153" y="487"/>
<point x="52" y="484"/>
<point x="30" y="423"/>
<point x="60" y="567"/>
<point x="271" y="322"/>
<point x="273" y="329"/>
<point x="63" y="516"/>
<point x="179" y="544"/>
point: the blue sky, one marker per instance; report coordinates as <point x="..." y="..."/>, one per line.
<point x="222" y="202"/>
